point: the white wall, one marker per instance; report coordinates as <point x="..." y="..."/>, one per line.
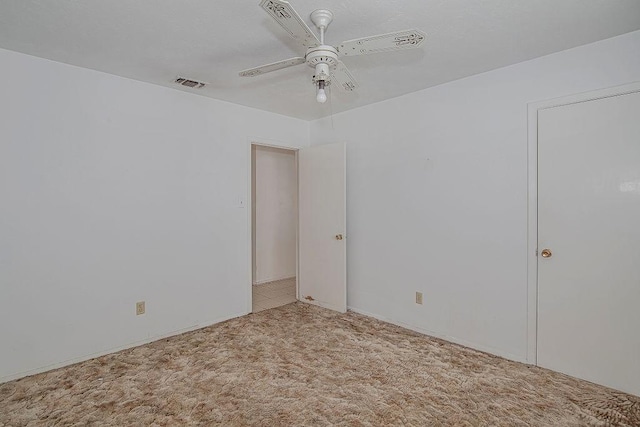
<point x="437" y="194"/>
<point x="276" y="214"/>
<point x="114" y="191"/>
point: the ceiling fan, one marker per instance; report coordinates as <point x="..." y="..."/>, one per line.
<point x="325" y="58"/>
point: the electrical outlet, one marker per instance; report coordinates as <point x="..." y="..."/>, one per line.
<point x="418" y="297"/>
<point x="139" y="308"/>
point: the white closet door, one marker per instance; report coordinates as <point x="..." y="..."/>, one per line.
<point x="589" y="220"/>
<point x="322" y="221"/>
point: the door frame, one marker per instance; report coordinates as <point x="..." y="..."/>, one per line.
<point x="282" y="146"/>
<point x="532" y="197"/>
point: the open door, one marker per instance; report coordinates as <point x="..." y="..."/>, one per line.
<point x="322" y="262"/>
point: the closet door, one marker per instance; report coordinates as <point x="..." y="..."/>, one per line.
<point x="589" y="240"/>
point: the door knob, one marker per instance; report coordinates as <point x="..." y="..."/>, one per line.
<point x="338" y="236"/>
<point x="546" y="253"/>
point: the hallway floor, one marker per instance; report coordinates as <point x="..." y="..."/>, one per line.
<point x="274" y="294"/>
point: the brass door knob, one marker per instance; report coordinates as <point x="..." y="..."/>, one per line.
<point x="546" y="253"/>
<point x="338" y="236"/>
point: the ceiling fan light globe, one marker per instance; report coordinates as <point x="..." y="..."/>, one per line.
<point x="322" y="96"/>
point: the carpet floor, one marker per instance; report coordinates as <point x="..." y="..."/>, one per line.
<point x="303" y="365"/>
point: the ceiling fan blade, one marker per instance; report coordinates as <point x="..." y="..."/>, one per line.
<point x="343" y="77"/>
<point x="400" y="40"/>
<point x="252" y="72"/>
<point x="288" y="18"/>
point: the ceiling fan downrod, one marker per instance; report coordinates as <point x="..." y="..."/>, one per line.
<point x="321" y="18"/>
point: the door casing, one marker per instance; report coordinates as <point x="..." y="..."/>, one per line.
<point x="532" y="198"/>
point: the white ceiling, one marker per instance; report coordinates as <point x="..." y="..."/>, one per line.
<point x="211" y="40"/>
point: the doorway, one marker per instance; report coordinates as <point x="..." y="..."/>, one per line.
<point x="315" y="215"/>
<point x="274" y="217"/>
<point x="586" y="237"/>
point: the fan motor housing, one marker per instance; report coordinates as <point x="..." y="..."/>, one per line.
<point x="322" y="54"/>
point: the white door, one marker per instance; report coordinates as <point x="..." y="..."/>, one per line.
<point x="589" y="218"/>
<point x="322" y="262"/>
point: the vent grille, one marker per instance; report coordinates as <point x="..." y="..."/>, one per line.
<point x="189" y="83"/>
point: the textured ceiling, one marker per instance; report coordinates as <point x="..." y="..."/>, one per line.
<point x="211" y="40"/>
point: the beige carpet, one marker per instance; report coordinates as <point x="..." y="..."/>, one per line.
<point x="302" y="365"/>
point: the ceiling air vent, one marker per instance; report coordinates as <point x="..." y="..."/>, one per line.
<point x="189" y="83"/>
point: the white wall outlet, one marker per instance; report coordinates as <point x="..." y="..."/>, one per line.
<point x="139" y="308"/>
<point x="418" y="297"/>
